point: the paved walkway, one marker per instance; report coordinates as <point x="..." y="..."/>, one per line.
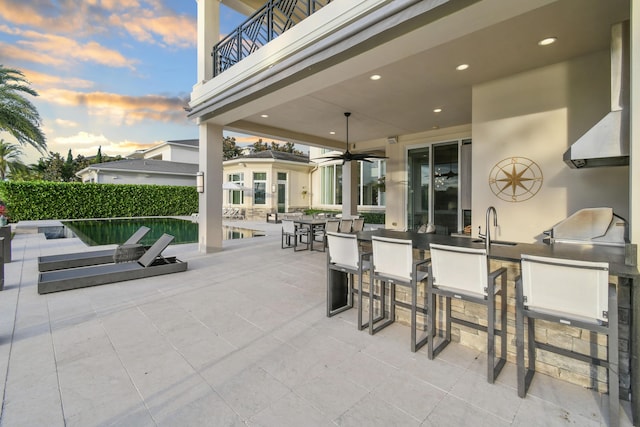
<point x="241" y="338"/>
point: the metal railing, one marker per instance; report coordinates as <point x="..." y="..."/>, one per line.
<point x="271" y="20"/>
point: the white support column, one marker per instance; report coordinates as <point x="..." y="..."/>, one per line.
<point x="349" y="189"/>
<point x="208" y="35"/>
<point x="210" y="202"/>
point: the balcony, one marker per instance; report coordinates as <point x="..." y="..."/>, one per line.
<point x="269" y="22"/>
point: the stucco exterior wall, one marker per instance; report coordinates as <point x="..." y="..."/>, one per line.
<point x="173" y="153"/>
<point x="537" y="115"/>
<point x="297" y="182"/>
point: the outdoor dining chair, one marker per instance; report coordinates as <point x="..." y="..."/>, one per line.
<point x="358" y="225"/>
<point x="345" y="225"/>
<point x="573" y="293"/>
<point x="344" y="258"/>
<point x="320" y="235"/>
<point x="292" y="235"/>
<point x="462" y="273"/>
<point x="393" y="264"/>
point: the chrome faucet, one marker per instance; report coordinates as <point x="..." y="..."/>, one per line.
<point x="487" y="236"/>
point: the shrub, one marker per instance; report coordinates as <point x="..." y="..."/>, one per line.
<point x="38" y="200"/>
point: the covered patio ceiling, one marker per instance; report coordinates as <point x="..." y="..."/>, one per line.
<point x="424" y="77"/>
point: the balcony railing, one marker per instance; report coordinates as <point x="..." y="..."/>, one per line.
<point x="271" y="20"/>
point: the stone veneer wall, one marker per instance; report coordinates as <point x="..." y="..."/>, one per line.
<point x="564" y="336"/>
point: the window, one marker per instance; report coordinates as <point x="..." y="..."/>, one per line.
<point x="371" y="184"/>
<point x="259" y="188"/>
<point x="331" y="177"/>
<point x="236" y="197"/>
<point x="328" y="187"/>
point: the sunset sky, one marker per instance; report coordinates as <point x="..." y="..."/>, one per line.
<point x="110" y="73"/>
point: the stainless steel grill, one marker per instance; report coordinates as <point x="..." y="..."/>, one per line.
<point x="595" y="226"/>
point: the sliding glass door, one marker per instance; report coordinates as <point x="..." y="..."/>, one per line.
<point x="419" y="183"/>
<point x="433" y="187"/>
<point x="445" y="188"/>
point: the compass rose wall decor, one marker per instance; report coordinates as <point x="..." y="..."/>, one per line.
<point x="515" y="179"/>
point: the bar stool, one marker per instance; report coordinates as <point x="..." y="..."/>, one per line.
<point x="393" y="264"/>
<point x="570" y="292"/>
<point x="462" y="273"/>
<point x="343" y="256"/>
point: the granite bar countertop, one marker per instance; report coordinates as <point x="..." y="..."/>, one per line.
<point x="513" y="251"/>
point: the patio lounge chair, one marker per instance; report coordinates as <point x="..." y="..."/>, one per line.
<point x="83" y="259"/>
<point x="152" y="263"/>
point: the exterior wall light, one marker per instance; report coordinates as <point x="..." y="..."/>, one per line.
<point x="200" y="182"/>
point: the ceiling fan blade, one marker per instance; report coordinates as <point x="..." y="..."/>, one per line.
<point x="348" y="156"/>
<point x="332" y="157"/>
<point x="364" y="156"/>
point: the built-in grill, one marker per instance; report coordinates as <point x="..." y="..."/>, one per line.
<point x="595" y="226"/>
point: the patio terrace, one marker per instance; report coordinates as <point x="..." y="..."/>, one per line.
<point x="240" y="338"/>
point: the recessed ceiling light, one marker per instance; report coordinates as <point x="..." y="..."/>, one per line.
<point x="332" y="133"/>
<point x="375" y="77"/>
<point x="437" y="110"/>
<point x="264" y="116"/>
<point x="547" y="41"/>
<point x="462" y="67"/>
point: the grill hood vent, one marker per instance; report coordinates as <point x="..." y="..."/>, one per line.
<point x="607" y="143"/>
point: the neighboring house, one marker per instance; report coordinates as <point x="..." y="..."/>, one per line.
<point x="183" y="150"/>
<point x="273" y="181"/>
<point x="140" y="171"/>
<point x="458" y="95"/>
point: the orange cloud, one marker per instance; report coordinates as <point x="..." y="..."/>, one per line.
<point x="17" y="53"/>
<point x="20" y="13"/>
<point x="65" y="15"/>
<point x="41" y="80"/>
<point x="150" y="22"/>
<point x="175" y="31"/>
<point x="66" y="123"/>
<point x="87" y="144"/>
<point x="66" y="49"/>
<point x="121" y="109"/>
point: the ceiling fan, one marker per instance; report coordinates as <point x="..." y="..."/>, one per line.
<point x="348" y="156"/>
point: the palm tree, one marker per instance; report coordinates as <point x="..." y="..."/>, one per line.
<point x="18" y="115"/>
<point x="10" y="159"/>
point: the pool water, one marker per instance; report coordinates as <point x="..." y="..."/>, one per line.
<point x="115" y="231"/>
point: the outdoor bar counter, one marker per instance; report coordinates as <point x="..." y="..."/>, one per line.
<point x="510" y="253"/>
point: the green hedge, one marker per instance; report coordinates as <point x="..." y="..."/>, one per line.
<point x="37" y="200"/>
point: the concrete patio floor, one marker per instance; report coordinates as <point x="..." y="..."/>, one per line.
<point x="240" y="338"/>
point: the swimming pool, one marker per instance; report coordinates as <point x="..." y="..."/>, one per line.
<point x="115" y="231"/>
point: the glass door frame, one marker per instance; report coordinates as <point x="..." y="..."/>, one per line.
<point x="281" y="184"/>
<point x="431" y="195"/>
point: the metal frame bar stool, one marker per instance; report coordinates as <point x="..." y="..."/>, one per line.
<point x="570" y="292"/>
<point x="463" y="273"/>
<point x="344" y="256"/>
<point x="393" y="264"/>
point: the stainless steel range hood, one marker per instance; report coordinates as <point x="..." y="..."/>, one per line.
<point x="607" y="143"/>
